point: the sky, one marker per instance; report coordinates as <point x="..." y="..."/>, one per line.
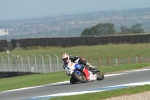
<point x="26" y="9"/>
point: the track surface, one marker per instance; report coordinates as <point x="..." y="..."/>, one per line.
<point x="49" y="89"/>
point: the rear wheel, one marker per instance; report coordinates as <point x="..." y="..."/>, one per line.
<point x="100" y="75"/>
<point x="79" y="77"/>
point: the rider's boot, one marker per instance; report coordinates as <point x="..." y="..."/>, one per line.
<point x="90" y="66"/>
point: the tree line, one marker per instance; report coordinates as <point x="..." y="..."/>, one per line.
<point x="103" y="29"/>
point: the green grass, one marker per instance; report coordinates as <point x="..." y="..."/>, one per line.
<point x="103" y="51"/>
<point x="31" y="80"/>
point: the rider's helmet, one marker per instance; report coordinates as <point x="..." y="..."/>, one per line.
<point x="65" y="58"/>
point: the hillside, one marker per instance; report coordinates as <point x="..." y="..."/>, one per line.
<point x="73" y="25"/>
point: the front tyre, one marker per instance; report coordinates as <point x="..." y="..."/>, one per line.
<point x="73" y="80"/>
<point x="79" y="77"/>
<point x="100" y="75"/>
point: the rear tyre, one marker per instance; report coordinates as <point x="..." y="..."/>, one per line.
<point x="100" y="75"/>
<point x="79" y="77"/>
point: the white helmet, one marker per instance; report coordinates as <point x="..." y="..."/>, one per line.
<point x="65" y="57"/>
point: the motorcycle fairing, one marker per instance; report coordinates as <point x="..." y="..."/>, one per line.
<point x="85" y="70"/>
<point x="77" y="68"/>
<point x="87" y="75"/>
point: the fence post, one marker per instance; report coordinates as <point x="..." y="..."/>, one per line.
<point x="57" y="61"/>
<point x="21" y="61"/>
<point x="8" y="62"/>
<point x="28" y="63"/>
<point x="15" y="62"/>
<point x="139" y="60"/>
<point x="50" y="65"/>
<point x="118" y="60"/>
<point x="42" y="62"/>
<point x="2" y="63"/>
<point x="128" y="57"/>
<point x="108" y="59"/>
<point x="35" y="62"/>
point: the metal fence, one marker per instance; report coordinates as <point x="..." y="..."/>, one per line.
<point x="47" y="63"/>
<point x="108" y="61"/>
<point x="30" y="63"/>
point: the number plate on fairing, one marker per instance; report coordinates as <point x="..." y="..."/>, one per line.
<point x="92" y="77"/>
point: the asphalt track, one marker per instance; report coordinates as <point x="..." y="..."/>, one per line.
<point x="65" y="87"/>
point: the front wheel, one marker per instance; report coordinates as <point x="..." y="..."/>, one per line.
<point x="73" y="80"/>
<point x="79" y="76"/>
<point x="100" y="75"/>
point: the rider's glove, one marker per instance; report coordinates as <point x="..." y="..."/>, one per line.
<point x="76" y="61"/>
<point x="67" y="71"/>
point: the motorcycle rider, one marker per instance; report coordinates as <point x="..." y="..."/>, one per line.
<point x="75" y="59"/>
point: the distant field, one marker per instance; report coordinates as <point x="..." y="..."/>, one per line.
<point x="111" y="50"/>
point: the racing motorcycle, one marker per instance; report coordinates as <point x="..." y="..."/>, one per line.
<point x="81" y="73"/>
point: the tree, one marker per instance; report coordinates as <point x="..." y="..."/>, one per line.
<point x="137" y="28"/>
<point x="99" y="30"/>
<point x="85" y="32"/>
<point x="125" y="30"/>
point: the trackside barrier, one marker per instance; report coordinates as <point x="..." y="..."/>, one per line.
<point x="52" y="63"/>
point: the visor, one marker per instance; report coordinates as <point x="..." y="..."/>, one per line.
<point x="65" y="60"/>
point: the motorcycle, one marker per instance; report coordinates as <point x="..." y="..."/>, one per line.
<point x="81" y="73"/>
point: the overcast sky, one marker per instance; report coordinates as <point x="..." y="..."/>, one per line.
<point x="22" y="9"/>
